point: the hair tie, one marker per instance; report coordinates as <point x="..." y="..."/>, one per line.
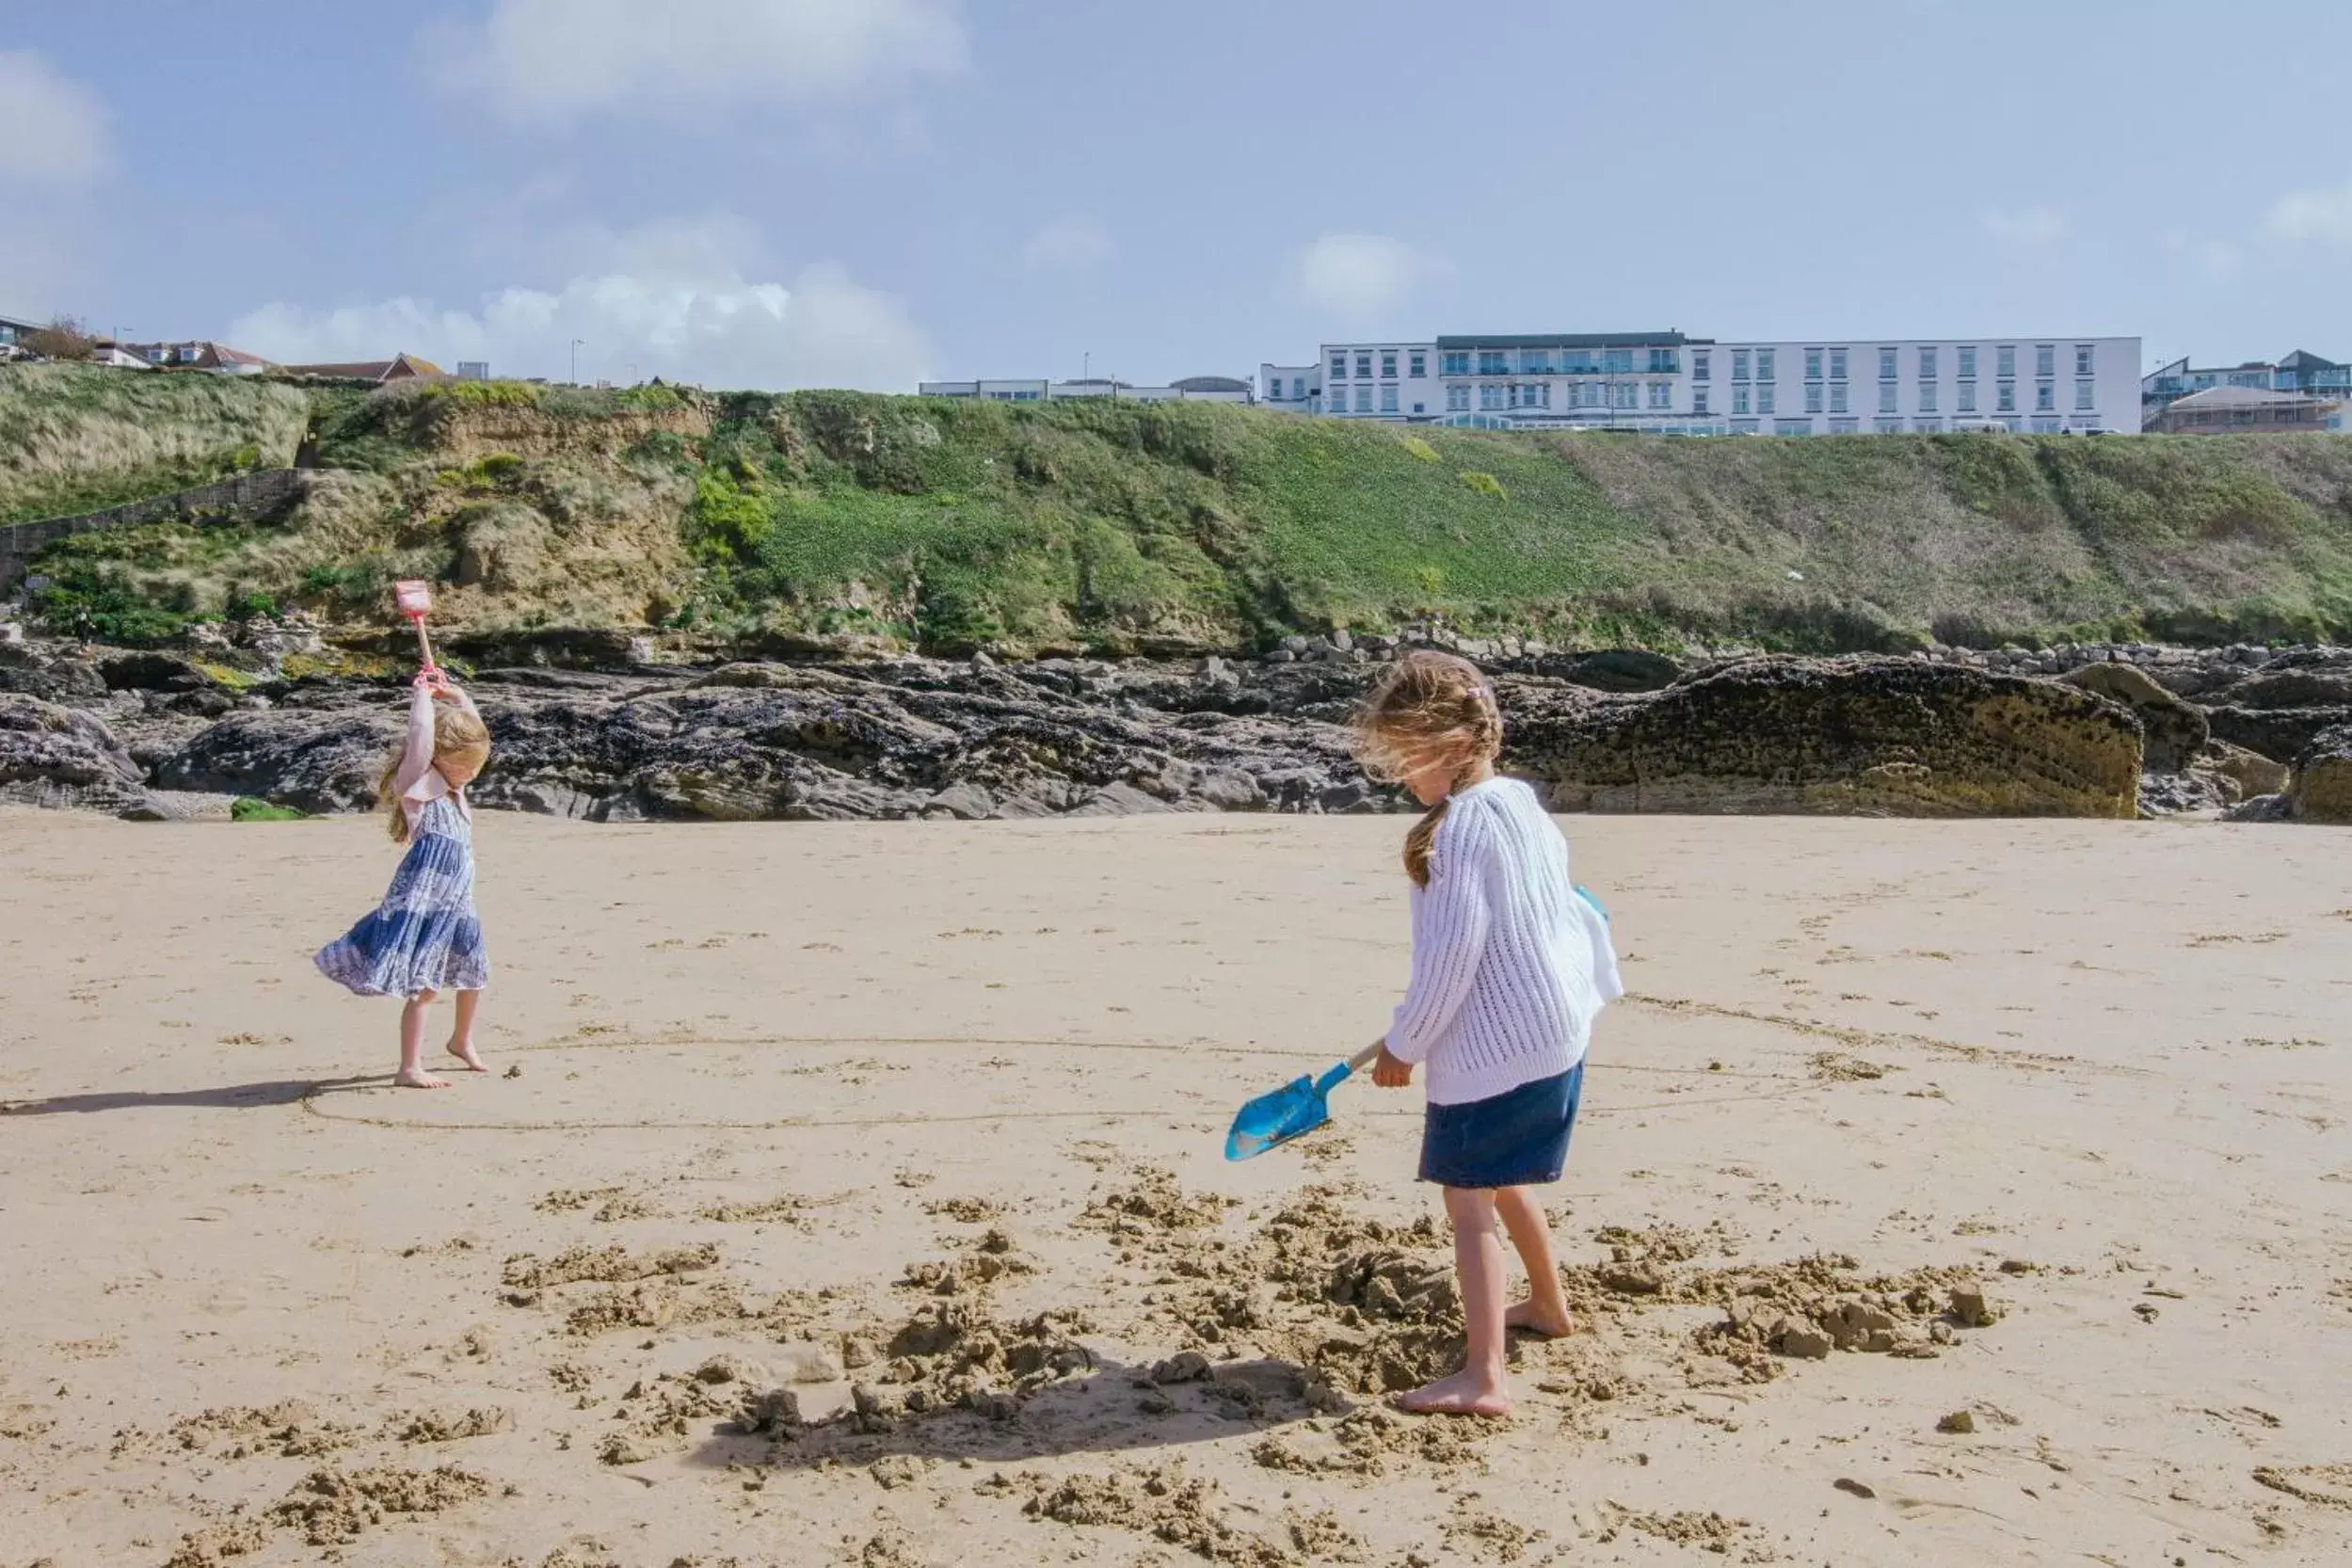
<point x="1475" y="691"/>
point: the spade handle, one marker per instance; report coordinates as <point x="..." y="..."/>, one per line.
<point x="1365" y="1057"/>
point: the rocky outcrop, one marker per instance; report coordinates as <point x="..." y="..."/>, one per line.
<point x="2321" y="790"/>
<point x="1854" y="737"/>
<point x="2278" y="733"/>
<point x="54" y="756"/>
<point x="2174" y="731"/>
<point x="317" y="758"/>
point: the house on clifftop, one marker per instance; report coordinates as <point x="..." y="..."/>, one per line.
<point x="400" y="367"/>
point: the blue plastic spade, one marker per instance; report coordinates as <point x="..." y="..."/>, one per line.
<point x="1295" y="1108"/>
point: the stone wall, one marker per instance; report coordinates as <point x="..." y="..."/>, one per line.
<point x="247" y="497"/>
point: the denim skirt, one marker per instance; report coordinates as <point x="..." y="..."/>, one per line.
<point x="1513" y="1139"/>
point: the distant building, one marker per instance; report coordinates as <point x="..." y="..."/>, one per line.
<point x="2238" y="409"/>
<point x="400" y="367"/>
<point x="12" y="330"/>
<point x="198" y="353"/>
<point x="1666" y="383"/>
<point x="119" y="357"/>
<point x="2299" y="371"/>
<point x="1198" y="389"/>
<point x="473" y="370"/>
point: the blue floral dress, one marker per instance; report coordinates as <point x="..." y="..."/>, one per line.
<point x="426" y="936"/>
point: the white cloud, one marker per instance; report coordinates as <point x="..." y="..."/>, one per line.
<point x="673" y="300"/>
<point x="552" y="61"/>
<point x="2324" y="215"/>
<point x="1072" y="244"/>
<point x="1360" y="277"/>
<point x="52" y="132"/>
<point x="2032" y="227"/>
<point x="2218" y="260"/>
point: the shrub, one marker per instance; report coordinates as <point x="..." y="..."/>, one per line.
<point x="1485" y="483"/>
<point x="1420" y="448"/>
<point x="247" y="808"/>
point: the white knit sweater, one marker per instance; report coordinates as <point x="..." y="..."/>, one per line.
<point x="1509" y="964"/>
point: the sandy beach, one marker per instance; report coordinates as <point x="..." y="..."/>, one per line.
<point x="934" y="1112"/>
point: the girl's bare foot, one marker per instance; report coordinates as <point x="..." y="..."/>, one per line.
<point x="463" y="1051"/>
<point x="417" y="1077"/>
<point x="1552" y="1322"/>
<point x="1465" y="1393"/>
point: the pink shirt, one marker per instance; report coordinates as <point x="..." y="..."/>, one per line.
<point x="417" y="781"/>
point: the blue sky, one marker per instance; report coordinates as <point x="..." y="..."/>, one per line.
<point x="865" y="192"/>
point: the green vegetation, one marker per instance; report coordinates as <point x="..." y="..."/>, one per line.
<point x="76" y="439"/>
<point x="1114" y="526"/>
<point x="247" y="808"/>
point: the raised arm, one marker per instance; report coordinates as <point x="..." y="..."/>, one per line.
<point x="417" y="761"/>
<point x="1451" y="920"/>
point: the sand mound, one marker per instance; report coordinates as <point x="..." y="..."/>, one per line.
<point x="333" y="1505"/>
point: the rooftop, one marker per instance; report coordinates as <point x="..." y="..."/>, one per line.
<point x="1568" y="339"/>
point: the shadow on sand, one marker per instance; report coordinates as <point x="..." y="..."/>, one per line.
<point x="1110" y="1408"/>
<point x="230" y="1096"/>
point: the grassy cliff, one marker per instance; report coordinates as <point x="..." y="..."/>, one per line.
<point x="75" y="439"/>
<point x="1110" y="526"/>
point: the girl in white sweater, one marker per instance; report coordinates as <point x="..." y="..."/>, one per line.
<point x="1510" y="964"/>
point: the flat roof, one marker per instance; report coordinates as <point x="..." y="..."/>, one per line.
<point x="1569" y="339"/>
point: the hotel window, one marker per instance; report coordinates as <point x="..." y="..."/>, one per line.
<point x="1764" y="399"/>
<point x="1812" y="397"/>
<point x="2008" y="400"/>
<point x="1812" y="364"/>
<point x="1339" y="367"/>
<point x="1624" y="394"/>
<point x="1888" y="426"/>
<point x="1457" y="400"/>
<point x="1363" y="400"/>
<point x="1364" y="367"/>
<point x="1490" y="396"/>
<point x="2084" y="353"/>
<point x="1967" y="364"/>
<point x="1928" y="426"/>
<point x="1792" y="427"/>
<point x="1298" y="387"/>
<point x="1837" y="398"/>
<point x="2046" y="358"/>
<point x="1927" y="397"/>
<point x="1968" y="397"/>
<point x="1490" y="362"/>
<point x="1740" y="364"/>
<point x="1886" y="364"/>
<point x="1661" y="394"/>
<point x="2005" y="359"/>
<point x="1927" y="365"/>
<point x="1845" y="427"/>
<point x="2084" y="396"/>
<point x="1388" y="400"/>
<point x="1699" y="364"/>
<point x="2045" y="397"/>
<point x="1616" y="361"/>
<point x="1740" y="398"/>
<point x="1456" y="363"/>
<point x="1886" y="397"/>
<point x="1764" y="364"/>
<point x="1389" y="366"/>
<point x="1420" y="365"/>
<point x="1662" y="362"/>
<point x="1837" y="365"/>
<point x="1698" y="400"/>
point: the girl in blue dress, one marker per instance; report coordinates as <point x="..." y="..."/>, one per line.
<point x="426" y="938"/>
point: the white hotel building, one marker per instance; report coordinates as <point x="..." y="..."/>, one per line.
<point x="1666" y="383"/>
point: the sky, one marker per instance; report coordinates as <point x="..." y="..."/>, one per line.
<point x="868" y="193"/>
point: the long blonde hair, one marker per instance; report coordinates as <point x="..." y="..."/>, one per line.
<point x="1431" y="709"/>
<point x="457" y="736"/>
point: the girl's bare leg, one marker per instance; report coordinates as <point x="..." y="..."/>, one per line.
<point x="1545" y="1310"/>
<point x="412" y="1074"/>
<point x="1480" y="1387"/>
<point x="461" y="1031"/>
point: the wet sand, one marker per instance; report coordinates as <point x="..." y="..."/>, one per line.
<point x="936" y="1111"/>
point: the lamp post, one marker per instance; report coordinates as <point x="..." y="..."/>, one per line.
<point x="576" y="343"/>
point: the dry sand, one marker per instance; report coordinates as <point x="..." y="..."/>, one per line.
<point x="947" y="1100"/>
